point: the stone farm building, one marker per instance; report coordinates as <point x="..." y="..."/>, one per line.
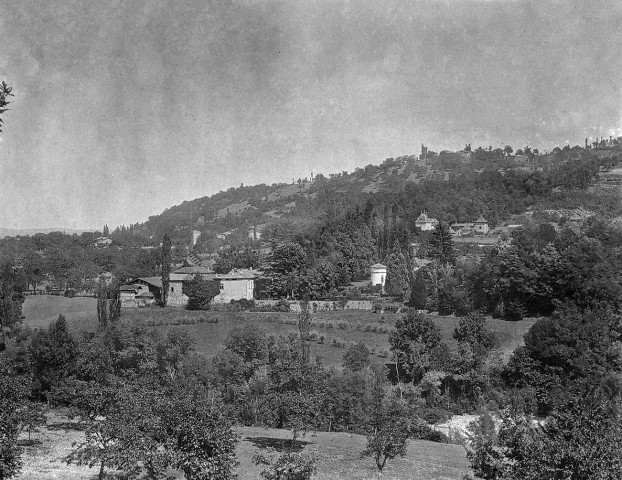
<point x="235" y="285"/>
<point x="136" y="295"/>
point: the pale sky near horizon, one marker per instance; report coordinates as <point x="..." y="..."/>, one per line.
<point x="123" y="109"/>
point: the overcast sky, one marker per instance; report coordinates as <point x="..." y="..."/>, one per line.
<point x="124" y="108"/>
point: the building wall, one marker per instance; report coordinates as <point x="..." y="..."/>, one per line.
<point x="175" y="296"/>
<point x="378" y="276"/>
<point x="425" y="226"/>
<point x="128" y="299"/>
<point x="482" y="228"/>
<point x="235" y="290"/>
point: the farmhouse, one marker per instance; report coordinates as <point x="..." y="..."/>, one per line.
<point x="235" y="285"/>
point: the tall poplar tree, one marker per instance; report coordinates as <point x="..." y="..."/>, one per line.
<point x="166" y="267"/>
<point x="398" y="278"/>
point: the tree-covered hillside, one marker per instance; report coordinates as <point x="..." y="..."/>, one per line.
<point x="449" y="186"/>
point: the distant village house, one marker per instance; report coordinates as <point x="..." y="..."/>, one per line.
<point x="425" y="223"/>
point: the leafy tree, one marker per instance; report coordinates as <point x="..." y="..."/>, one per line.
<point x="286" y="262"/>
<point x="34" y="268"/>
<point x="318" y="281"/>
<point x="251" y="344"/>
<point x="11" y="299"/>
<point x="356" y="357"/>
<point x="472" y="329"/>
<point x="12" y="396"/>
<point x="145" y="431"/>
<point x="417" y="344"/>
<point x="287" y="466"/>
<point x="5" y="93"/>
<point x="200" y="292"/>
<point x="579" y="440"/>
<point x="201" y="439"/>
<point x="231" y="258"/>
<point x="166" y="267"/>
<point x="297" y="387"/>
<point x="562" y="353"/>
<point x="388" y="438"/>
<point x="53" y="354"/>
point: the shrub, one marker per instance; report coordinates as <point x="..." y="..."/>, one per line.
<point x="282" y="306"/>
<point x="342" y="325"/>
<point x="287" y="466"/>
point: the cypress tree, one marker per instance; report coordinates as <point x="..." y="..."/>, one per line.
<point x="397" y="282"/>
<point x="166" y="267"/>
<point x="418" y="295"/>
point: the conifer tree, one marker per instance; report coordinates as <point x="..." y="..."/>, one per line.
<point x="397" y="282"/>
<point x="418" y="294"/>
<point x="441" y="245"/>
<point x="166" y="267"/>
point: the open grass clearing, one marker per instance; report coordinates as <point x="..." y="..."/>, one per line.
<point x="40" y="310"/>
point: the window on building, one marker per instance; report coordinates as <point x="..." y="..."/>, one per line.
<point x="172" y="289"/>
<point x="222" y="287"/>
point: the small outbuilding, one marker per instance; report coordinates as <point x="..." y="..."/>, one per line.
<point x="136" y="295"/>
<point x="378" y="274"/>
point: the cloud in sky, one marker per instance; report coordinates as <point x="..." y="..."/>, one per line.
<point x="125" y="108"/>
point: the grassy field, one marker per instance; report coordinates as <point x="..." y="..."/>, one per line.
<point x="40" y="310"/>
<point x="338" y="455"/>
<point x="209" y="329"/>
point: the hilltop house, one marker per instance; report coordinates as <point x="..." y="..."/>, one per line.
<point x="103" y="242"/>
<point x="425" y="223"/>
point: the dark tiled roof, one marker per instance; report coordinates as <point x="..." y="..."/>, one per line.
<point x="155" y="281"/>
<point x="194" y="269"/>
